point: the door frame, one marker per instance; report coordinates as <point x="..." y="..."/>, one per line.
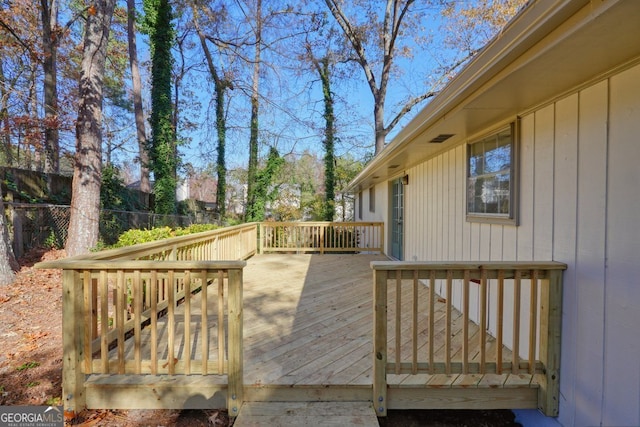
<point x="396" y="226"/>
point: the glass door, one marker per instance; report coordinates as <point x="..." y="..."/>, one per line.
<point x="397" y="217"/>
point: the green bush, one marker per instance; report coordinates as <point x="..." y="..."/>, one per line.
<point x="133" y="237"/>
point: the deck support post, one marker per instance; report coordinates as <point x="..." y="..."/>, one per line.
<point x="73" y="326"/>
<point x="550" y="337"/>
<point x="380" y="342"/>
<point x="236" y="385"/>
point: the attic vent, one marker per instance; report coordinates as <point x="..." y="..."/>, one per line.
<point x="393" y="166"/>
<point x="441" y="138"/>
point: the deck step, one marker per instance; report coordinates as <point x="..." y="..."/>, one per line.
<point x="255" y="414"/>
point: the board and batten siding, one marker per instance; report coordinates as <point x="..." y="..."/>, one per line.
<point x="579" y="203"/>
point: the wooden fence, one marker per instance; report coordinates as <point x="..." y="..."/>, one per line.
<point x="414" y="328"/>
<point x="321" y="237"/>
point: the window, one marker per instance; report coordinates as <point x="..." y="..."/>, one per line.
<point x="491" y="178"/>
<point x="372" y="199"/>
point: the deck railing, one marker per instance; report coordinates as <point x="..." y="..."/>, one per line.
<point x="405" y="333"/>
<point x="112" y="299"/>
<point x="321" y="237"/>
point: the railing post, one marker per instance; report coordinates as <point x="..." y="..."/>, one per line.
<point x="380" y="342"/>
<point x="550" y="336"/>
<point x="323" y="235"/>
<point x="235" y="390"/>
<point x="261" y="239"/>
<point x="73" y="344"/>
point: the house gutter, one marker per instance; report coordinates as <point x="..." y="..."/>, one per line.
<point x="535" y="21"/>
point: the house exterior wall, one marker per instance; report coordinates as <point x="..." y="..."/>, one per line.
<point x="381" y="209"/>
<point x="579" y="192"/>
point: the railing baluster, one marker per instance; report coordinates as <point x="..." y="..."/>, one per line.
<point x="448" y="326"/>
<point x="88" y="319"/>
<point x="515" y="360"/>
<point x="94" y="308"/>
<point x="187" y="322"/>
<point x="500" y="320"/>
<point x="221" y="329"/>
<point x="533" y="321"/>
<point x="171" y="323"/>
<point x="104" y="321"/>
<point x="137" y="292"/>
<point x="120" y="309"/>
<point x="154" y="322"/>
<point x="398" y="320"/>
<point x="465" y="330"/>
<point x="432" y="295"/>
<point x="414" y="367"/>
<point x="204" y="321"/>
<point x="483" y="320"/>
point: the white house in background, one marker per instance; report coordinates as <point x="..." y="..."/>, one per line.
<point x="533" y="153"/>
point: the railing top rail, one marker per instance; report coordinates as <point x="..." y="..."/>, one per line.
<point x="84" y="264"/>
<point x="143" y="249"/>
<point x="315" y="223"/>
<point x="467" y="265"/>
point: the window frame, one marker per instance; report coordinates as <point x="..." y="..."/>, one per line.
<point x="514" y="189"/>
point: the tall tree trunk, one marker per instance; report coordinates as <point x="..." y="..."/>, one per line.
<point x="8" y="262"/>
<point x="49" y="13"/>
<point x="221" y="167"/>
<point x="87" y="174"/>
<point x="322" y="67"/>
<point x="221" y="86"/>
<point x="136" y="81"/>
<point x="5" y="133"/>
<point x="163" y="153"/>
<point x="252" y="170"/>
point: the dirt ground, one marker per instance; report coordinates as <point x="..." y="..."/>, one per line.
<point x="31" y="362"/>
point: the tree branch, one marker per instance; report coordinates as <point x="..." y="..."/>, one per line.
<point x="16" y="37"/>
<point x="355" y="42"/>
<point x="407" y="108"/>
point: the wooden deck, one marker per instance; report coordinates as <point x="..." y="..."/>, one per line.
<point x="308" y="333"/>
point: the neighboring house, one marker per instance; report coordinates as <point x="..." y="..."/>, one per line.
<point x="533" y="153"/>
<point x="200" y="187"/>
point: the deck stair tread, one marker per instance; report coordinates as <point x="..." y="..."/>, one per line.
<point x="256" y="414"/>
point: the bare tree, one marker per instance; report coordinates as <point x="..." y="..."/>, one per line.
<point x="375" y="38"/>
<point x="87" y="174"/>
<point x="221" y="84"/>
<point x="141" y="134"/>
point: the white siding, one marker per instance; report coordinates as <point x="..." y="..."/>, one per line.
<point x="621" y="403"/>
<point x="579" y="204"/>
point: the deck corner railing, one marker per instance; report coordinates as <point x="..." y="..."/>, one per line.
<point x="113" y="300"/>
<point x="417" y="287"/>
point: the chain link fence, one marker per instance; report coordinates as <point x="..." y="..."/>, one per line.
<point x="36" y="225"/>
